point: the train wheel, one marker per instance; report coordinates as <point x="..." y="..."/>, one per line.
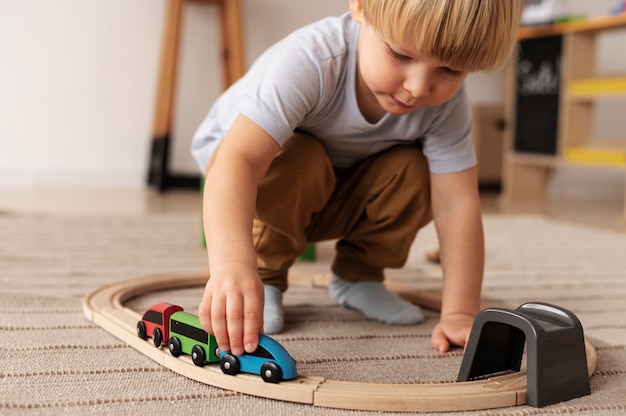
<point x="198" y="356"/>
<point x="141" y="330"/>
<point x="174" y="346"/>
<point x="229" y="364"/>
<point x="270" y="373"/>
<point x="157" y="337"/>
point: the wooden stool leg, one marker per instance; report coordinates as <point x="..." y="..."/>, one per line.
<point x="161" y="128"/>
<point x="232" y="42"/>
<point x="233" y="69"/>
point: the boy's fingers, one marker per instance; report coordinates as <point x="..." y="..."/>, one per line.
<point x="234" y="322"/>
<point x="218" y="323"/>
<point x="439" y="341"/>
<point x="252" y="324"/>
<point x="204" y="314"/>
<point x="444" y="346"/>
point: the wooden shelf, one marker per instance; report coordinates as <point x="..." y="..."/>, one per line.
<point x="587" y="25"/>
<point x="533" y="159"/>
<point x="586" y="89"/>
<point x="527" y="175"/>
<point x="596" y="156"/>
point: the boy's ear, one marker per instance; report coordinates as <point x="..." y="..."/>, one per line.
<point x="356" y="11"/>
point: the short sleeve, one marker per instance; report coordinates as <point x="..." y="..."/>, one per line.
<point x="287" y="90"/>
<point x="448" y="144"/>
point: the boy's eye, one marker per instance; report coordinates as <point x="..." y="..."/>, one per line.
<point x="451" y="71"/>
<point x="398" y="56"/>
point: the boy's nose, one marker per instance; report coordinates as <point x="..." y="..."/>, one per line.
<point x="418" y="85"/>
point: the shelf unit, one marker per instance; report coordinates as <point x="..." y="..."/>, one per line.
<point x="526" y="173"/>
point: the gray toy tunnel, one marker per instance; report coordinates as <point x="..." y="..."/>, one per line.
<point x="556" y="362"/>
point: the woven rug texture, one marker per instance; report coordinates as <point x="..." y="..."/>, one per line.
<point x="54" y="361"/>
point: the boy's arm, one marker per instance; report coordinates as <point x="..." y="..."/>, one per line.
<point x="232" y="305"/>
<point x="457" y="217"/>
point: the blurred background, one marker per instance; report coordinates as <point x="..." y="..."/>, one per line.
<point x="78" y="81"/>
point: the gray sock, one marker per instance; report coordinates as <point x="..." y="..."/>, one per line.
<point x="373" y="300"/>
<point x="273" y="316"/>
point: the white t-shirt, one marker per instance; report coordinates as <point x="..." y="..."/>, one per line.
<point x="306" y="82"/>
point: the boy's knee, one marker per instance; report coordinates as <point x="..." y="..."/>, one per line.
<point x="304" y="143"/>
<point x="301" y="159"/>
<point x="303" y="146"/>
<point x="299" y="182"/>
<point x="409" y="164"/>
<point x="410" y="179"/>
<point x="415" y="158"/>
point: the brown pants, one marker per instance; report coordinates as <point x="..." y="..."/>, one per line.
<point x="374" y="209"/>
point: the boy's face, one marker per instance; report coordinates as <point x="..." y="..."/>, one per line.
<point x="398" y="79"/>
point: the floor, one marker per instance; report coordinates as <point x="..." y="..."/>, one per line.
<point x="605" y="214"/>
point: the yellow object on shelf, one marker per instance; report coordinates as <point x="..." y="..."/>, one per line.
<point x="598" y="87"/>
<point x="591" y="156"/>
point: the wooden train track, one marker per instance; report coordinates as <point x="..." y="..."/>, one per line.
<point x="105" y="307"/>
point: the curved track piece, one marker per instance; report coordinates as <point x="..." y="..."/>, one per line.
<point x="105" y="307"/>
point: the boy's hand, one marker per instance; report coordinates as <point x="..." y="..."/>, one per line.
<point x="453" y="330"/>
<point x="232" y="310"/>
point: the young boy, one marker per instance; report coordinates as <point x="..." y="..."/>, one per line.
<point x="354" y="128"/>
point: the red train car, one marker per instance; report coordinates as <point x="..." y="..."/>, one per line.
<point x="156" y="321"/>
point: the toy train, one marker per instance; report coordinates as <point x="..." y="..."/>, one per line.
<point x="183" y="334"/>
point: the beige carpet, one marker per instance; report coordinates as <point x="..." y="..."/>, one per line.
<point x="54" y="361"/>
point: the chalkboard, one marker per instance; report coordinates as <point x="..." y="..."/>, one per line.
<point x="537" y="101"/>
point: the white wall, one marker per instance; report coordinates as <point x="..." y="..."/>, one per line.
<point x="76" y="89"/>
<point x="78" y="82"/>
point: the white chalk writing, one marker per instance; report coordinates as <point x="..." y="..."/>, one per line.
<point x="541" y="80"/>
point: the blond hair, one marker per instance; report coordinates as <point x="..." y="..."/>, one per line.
<point x="468" y="35"/>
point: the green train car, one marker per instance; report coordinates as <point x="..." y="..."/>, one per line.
<point x="187" y="337"/>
